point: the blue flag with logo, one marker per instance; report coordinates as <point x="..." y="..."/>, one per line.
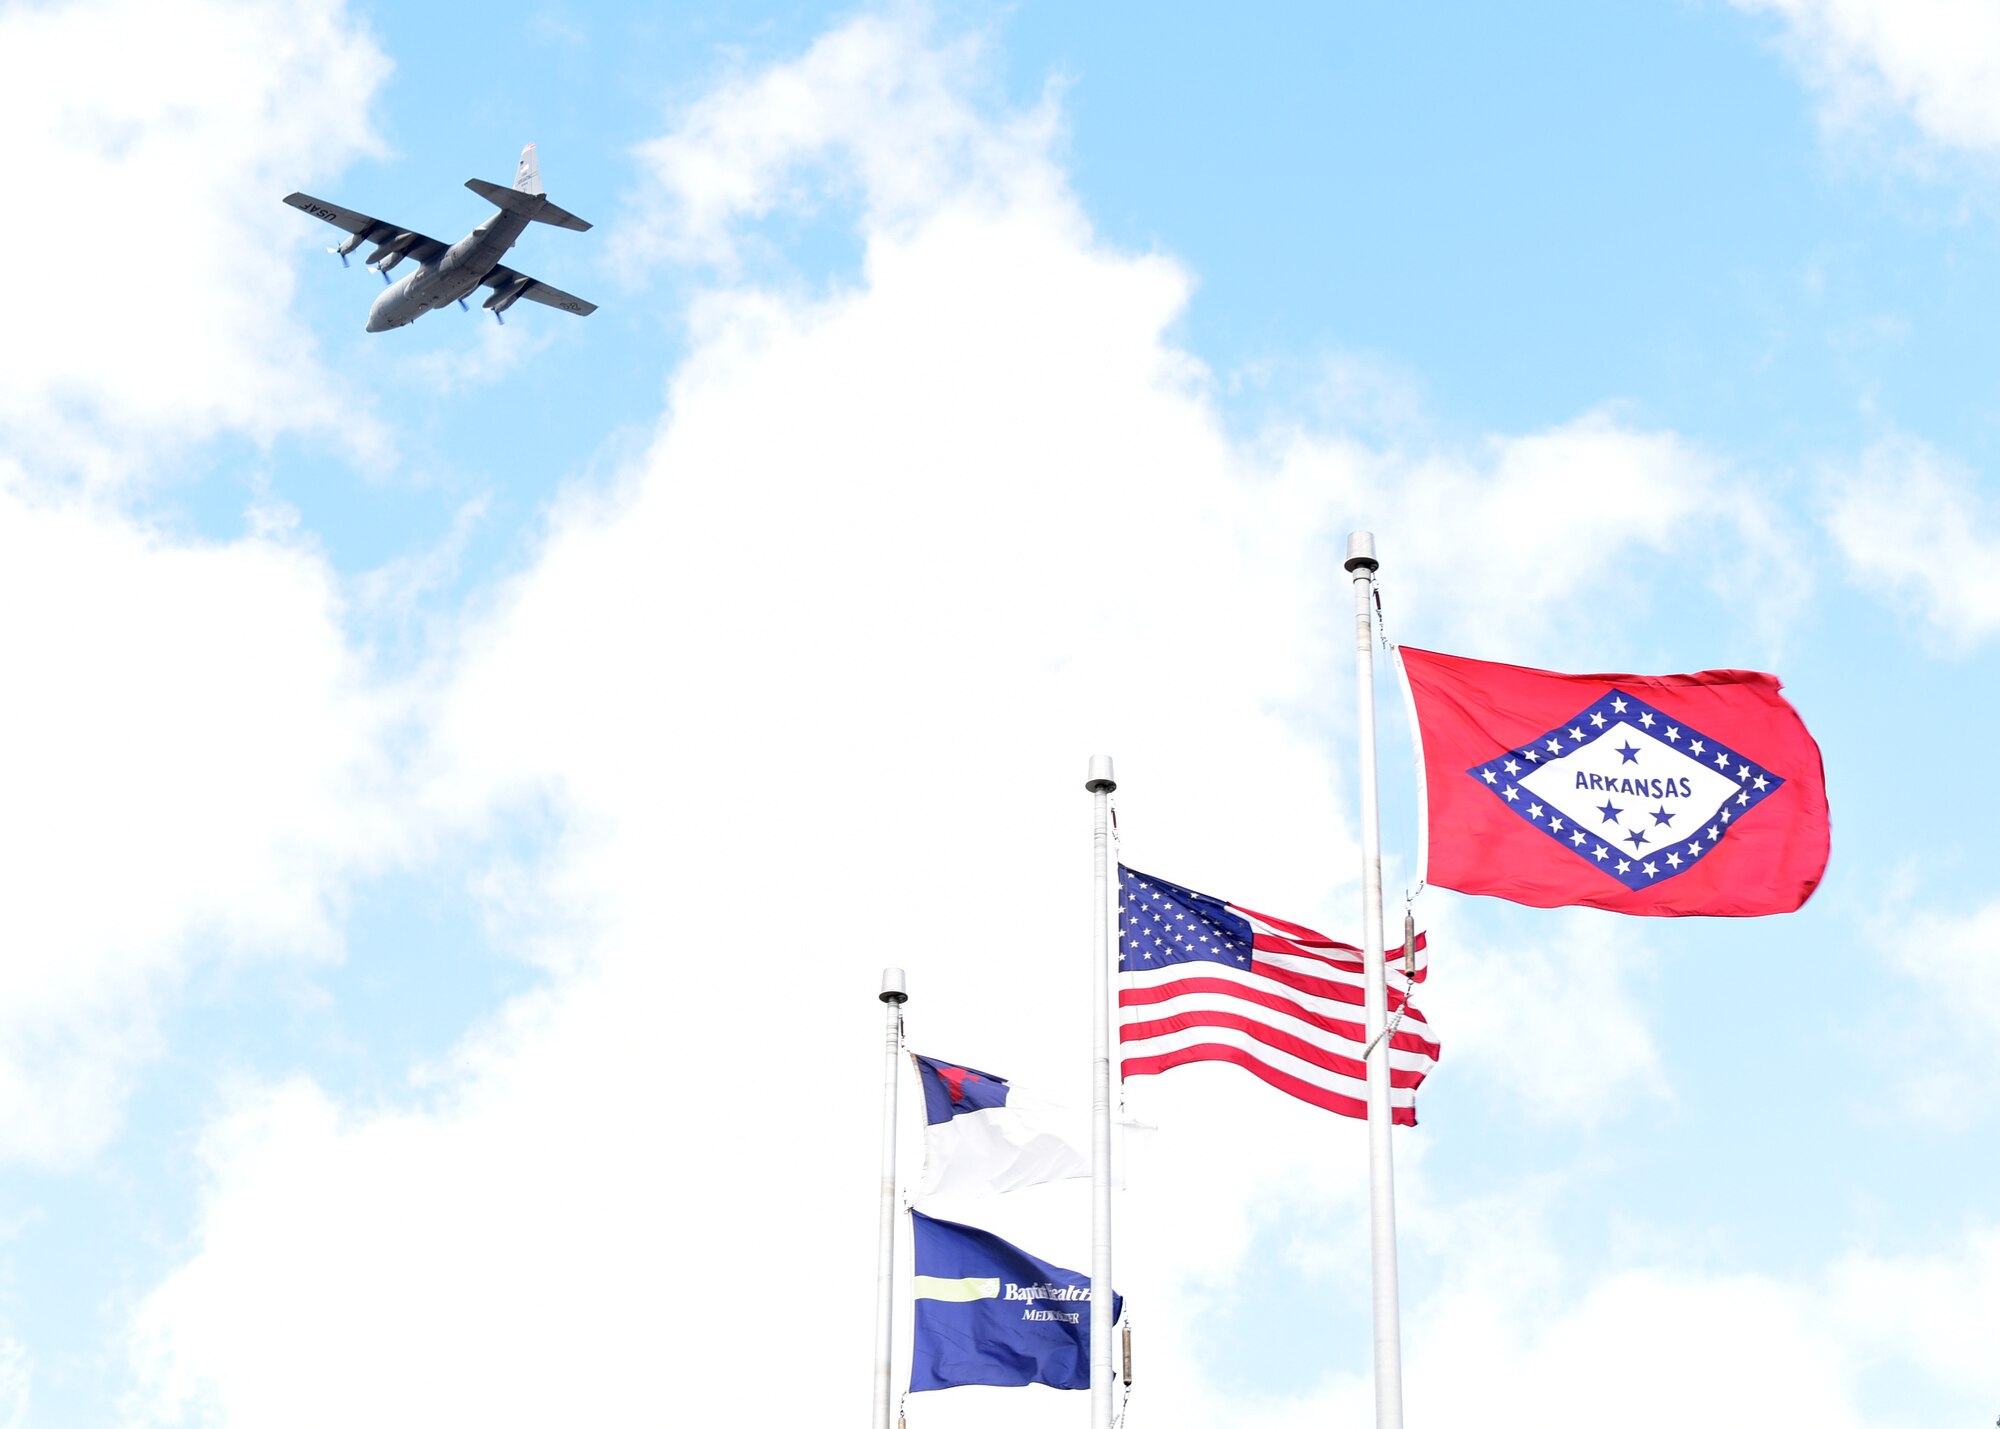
<point x="990" y="1313"/>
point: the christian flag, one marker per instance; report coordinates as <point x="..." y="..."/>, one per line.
<point x="982" y="1136"/>
<point x="1661" y="795"/>
<point x="990" y="1313"/>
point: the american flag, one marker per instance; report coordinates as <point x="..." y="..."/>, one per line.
<point x="1206" y="981"/>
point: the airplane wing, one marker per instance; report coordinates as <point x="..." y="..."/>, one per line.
<point x="366" y="229"/>
<point x="536" y="291"/>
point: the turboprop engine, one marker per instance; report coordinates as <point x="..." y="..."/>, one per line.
<point x="391" y="252"/>
<point x="505" y="298"/>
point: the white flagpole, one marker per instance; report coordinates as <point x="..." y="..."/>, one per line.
<point x="1100" y="784"/>
<point x="893" y="996"/>
<point x="1361" y="565"/>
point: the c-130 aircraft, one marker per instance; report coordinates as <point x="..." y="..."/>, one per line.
<point x="445" y="274"/>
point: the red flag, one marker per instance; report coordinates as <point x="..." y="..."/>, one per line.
<point x="1661" y="795"/>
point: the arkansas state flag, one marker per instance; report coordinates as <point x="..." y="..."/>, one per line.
<point x="1661" y="795"/>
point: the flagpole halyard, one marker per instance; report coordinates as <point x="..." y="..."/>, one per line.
<point x="894" y="994"/>
<point x="1361" y="565"/>
<point x="1100" y="784"/>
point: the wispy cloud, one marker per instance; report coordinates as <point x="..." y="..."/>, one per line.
<point x="206" y="766"/>
<point x="1909" y="518"/>
<point x="495" y="352"/>
<point x="1933" y="64"/>
<point x="161" y="314"/>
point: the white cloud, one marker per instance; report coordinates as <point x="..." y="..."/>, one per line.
<point x="151" y="267"/>
<point x="1655" y="1346"/>
<point x="1558" y="1025"/>
<point x="194" y="759"/>
<point x="810" y="689"/>
<point x="1953" y="963"/>
<point x="492" y="355"/>
<point x="202" y="750"/>
<point x="16" y="1383"/>
<point x="1913" y="521"/>
<point x="1651" y="1348"/>
<point x="1517" y="1329"/>
<point x="1495" y="546"/>
<point x="1935" y="1314"/>
<point x="1934" y="62"/>
<point x="879" y="111"/>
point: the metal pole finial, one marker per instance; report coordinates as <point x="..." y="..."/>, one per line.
<point x="1100" y="780"/>
<point x="893" y="987"/>
<point x="1361" y="551"/>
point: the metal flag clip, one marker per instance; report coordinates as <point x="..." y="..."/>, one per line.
<point x="1125" y="1401"/>
<point x="1409" y="981"/>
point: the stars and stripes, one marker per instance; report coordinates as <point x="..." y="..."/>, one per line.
<point x="1206" y="981"/>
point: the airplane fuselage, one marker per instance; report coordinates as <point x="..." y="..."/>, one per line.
<point x="440" y="284"/>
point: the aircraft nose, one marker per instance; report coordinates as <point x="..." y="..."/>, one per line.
<point x="381" y="312"/>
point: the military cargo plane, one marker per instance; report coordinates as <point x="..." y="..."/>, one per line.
<point x="446" y="273"/>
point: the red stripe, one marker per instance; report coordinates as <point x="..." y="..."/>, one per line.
<point x="1327" y="988"/>
<point x="1271" y="943"/>
<point x="1307" y="937"/>
<point x="1296" y="930"/>
<point x="1355" y="1032"/>
<point x="1355" y="1107"/>
<point x="1271" y="1037"/>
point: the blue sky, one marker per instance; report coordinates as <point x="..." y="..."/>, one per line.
<point x="469" y="778"/>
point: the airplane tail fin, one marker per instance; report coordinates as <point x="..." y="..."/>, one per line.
<point x="526" y="198"/>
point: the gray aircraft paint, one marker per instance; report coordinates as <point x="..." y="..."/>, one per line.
<point x="445" y="275"/>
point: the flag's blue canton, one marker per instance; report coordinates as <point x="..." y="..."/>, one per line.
<point x="1161" y="922"/>
<point x="951" y="1090"/>
<point x="1647" y="860"/>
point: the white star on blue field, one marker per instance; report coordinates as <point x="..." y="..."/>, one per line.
<point x="465" y="781"/>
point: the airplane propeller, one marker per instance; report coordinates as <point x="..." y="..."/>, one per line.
<point x="341" y="250"/>
<point x="462" y="307"/>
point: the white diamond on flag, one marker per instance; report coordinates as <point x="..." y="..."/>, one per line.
<point x="1650" y="794"/>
